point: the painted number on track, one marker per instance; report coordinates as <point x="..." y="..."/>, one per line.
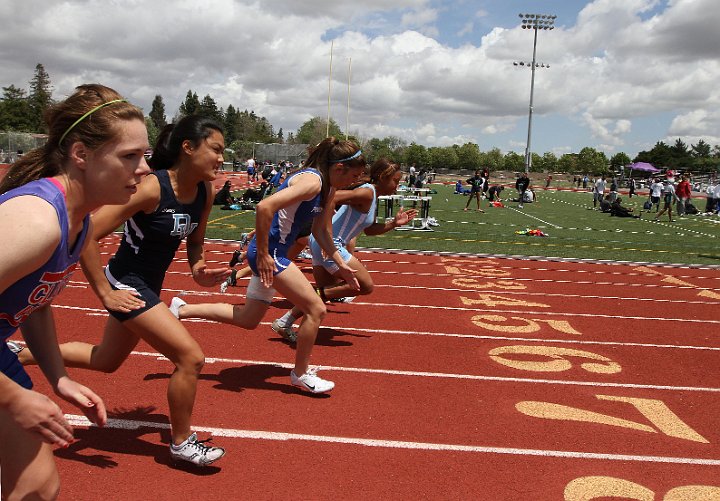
<point x="519" y="325"/>
<point x="655" y="411"/>
<point x="599" y="487"/>
<point x="558" y="359"/>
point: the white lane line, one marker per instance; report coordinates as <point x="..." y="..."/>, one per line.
<point x="96" y="312"/>
<point x="533" y="217"/>
<point x="443" y="375"/>
<point x="545" y="294"/>
<point x="124" y="424"/>
<point x="494" y="311"/>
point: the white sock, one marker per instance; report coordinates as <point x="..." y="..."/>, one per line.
<point x="287" y="319"/>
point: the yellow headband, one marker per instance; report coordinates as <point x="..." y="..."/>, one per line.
<point x="87" y="115"/>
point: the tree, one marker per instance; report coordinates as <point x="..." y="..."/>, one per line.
<point x="468" y="156"/>
<point x="208" y="108"/>
<point x="514" y="161"/>
<point x="536" y="163"/>
<point x="701" y="149"/>
<point x="547" y="163"/>
<point x="493" y="159"/>
<point x="315" y="130"/>
<point x="280" y="136"/>
<point x="590" y="159"/>
<point x="659" y="156"/>
<point x="190" y="105"/>
<point x="40" y="98"/>
<point x="417" y="154"/>
<point x="15" y="113"/>
<point x="443" y="157"/>
<point x="569" y="163"/>
<point x="157" y="113"/>
<point x="619" y="160"/>
<point x="152" y="130"/>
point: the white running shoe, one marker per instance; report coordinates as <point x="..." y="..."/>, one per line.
<point x="304" y="255"/>
<point x="345" y="299"/>
<point x="15" y="347"/>
<point x="288" y="333"/>
<point x="310" y="381"/>
<point x="196" y="452"/>
<point x="175" y="306"/>
<point x="223" y="287"/>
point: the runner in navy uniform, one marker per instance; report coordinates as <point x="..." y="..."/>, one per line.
<point x="171" y="204"/>
<point x="278" y="222"/>
<point x="93" y="156"/>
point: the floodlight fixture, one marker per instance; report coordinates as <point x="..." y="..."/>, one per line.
<point x="534" y="22"/>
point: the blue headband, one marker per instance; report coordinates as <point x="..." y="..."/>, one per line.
<point x="352" y="157"/>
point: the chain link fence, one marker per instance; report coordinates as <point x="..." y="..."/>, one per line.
<point x="13" y="144"/>
<point x="274" y="152"/>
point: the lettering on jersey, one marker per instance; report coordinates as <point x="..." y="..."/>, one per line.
<point x="168" y="209"/>
<point x="49" y="286"/>
<point x="183" y="225"/>
<point x="317" y="209"/>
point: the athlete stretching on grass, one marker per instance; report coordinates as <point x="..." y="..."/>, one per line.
<point x="93" y="156"/>
<point x="170" y="204"/>
<point x="302" y="196"/>
<point x="356" y="214"/>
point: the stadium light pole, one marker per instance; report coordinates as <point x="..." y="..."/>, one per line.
<point x="534" y="22"/>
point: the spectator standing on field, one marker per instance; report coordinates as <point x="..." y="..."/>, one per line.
<point x="521" y="185"/>
<point x="683" y="195"/>
<point x="656" y="189"/>
<point x="613" y="190"/>
<point x="476" y="188"/>
<point x="631" y="185"/>
<point x="598" y="190"/>
<point x="669" y="196"/>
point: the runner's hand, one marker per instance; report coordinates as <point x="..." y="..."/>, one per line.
<point x="84" y="398"/>
<point x="210" y="277"/>
<point x="122" y="300"/>
<point x="266" y="268"/>
<point x="403" y="217"/>
<point x="36" y="413"/>
<point x="348" y="275"/>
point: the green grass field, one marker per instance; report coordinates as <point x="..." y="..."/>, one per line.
<point x="574" y="230"/>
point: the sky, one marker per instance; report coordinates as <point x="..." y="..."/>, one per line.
<point x="622" y="75"/>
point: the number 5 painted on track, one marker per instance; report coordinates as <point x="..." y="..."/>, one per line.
<point x="654" y="411"/>
<point x="596" y="487"/>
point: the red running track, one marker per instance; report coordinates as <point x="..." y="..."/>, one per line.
<point x="458" y="378"/>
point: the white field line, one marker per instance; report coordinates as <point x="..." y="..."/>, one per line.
<point x="444" y="375"/>
<point x="124" y="424"/>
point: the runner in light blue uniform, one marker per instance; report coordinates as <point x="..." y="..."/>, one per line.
<point x="357" y="214"/>
<point x="348" y="223"/>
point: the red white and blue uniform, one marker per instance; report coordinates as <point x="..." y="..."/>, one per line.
<point x="286" y="226"/>
<point x="149" y="244"/>
<point x="40" y="287"/>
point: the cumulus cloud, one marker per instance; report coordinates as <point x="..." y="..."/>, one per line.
<point x="618" y="61"/>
